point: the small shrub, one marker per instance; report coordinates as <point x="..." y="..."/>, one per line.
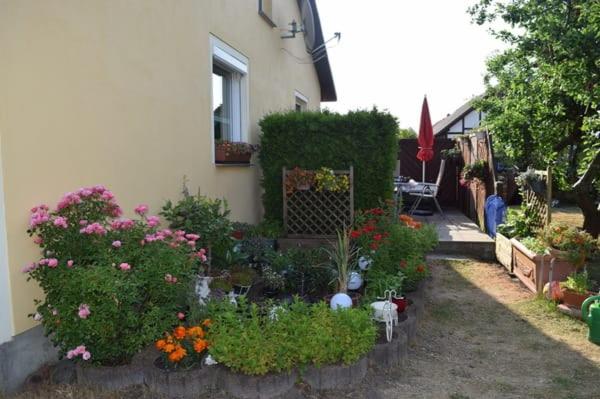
<point x="184" y="348"/>
<point x="578" y="244"/>
<point x="112" y="286"/>
<point x="578" y="282"/>
<point x="205" y="217"/>
<point x="279" y="338"/>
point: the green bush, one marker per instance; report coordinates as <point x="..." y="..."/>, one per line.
<point x="279" y="338"/>
<point x="365" y="140"/>
<point x="206" y="217"/>
<point x="112" y="286"/>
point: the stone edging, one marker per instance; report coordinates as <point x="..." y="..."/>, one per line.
<point x="192" y="383"/>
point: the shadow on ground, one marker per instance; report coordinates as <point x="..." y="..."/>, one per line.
<point x="483" y="336"/>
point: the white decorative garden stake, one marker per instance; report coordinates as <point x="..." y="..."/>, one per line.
<point x="386" y="312"/>
<point x="341" y="300"/>
<point x="355" y="281"/>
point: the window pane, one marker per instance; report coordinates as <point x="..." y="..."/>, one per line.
<point x="221" y="82"/>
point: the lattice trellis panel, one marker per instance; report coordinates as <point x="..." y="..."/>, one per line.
<point x="310" y="213"/>
<point x="539" y="204"/>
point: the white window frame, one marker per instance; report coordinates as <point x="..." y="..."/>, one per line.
<point x="235" y="62"/>
<point x="6" y="330"/>
<point x="302" y="99"/>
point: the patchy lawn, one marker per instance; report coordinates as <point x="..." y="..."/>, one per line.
<point x="483" y="336"/>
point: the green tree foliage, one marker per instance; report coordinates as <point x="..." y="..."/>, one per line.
<point x="542" y="93"/>
<point x="407" y="133"/>
<point x="365" y="140"/>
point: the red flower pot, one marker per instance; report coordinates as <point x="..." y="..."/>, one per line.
<point x="574" y="299"/>
<point x="222" y="156"/>
<point x="401" y="302"/>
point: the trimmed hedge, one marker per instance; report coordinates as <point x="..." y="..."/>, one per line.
<point x="365" y="140"/>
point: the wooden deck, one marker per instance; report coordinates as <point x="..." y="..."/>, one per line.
<point x="459" y="235"/>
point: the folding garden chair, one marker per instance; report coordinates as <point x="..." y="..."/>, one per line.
<point x="429" y="190"/>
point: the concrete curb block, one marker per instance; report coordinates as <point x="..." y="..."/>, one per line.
<point x="408" y="326"/>
<point x="390" y="354"/>
<point x="110" y="378"/>
<point x="182" y="384"/>
<point x="336" y="376"/>
<point x="257" y="387"/>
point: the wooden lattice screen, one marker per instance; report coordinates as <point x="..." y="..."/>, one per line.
<point x="540" y="204"/>
<point x="318" y="214"/>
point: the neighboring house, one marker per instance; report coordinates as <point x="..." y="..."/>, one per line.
<point x="131" y="95"/>
<point x="459" y="122"/>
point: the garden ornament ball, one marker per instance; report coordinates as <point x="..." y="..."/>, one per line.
<point x="341" y="300"/>
<point x="355" y="281"/>
<point x="364" y="262"/>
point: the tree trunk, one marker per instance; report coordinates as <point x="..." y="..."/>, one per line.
<point x="586" y="197"/>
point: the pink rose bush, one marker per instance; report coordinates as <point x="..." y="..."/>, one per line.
<point x="104" y="276"/>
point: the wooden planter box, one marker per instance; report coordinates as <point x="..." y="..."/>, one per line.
<point x="222" y="157"/>
<point x="534" y="270"/>
<point x="504" y="251"/>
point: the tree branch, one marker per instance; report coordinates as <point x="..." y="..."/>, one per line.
<point x="589" y="175"/>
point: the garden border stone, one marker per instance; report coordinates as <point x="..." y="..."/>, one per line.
<point x="267" y="386"/>
<point x="336" y="376"/>
<point x="182" y="384"/>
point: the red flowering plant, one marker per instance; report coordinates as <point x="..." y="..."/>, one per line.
<point x="394" y="244"/>
<point x="112" y="285"/>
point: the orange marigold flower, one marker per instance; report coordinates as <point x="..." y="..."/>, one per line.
<point x="405" y="218"/>
<point x="207" y="323"/>
<point x="195" y="331"/>
<point x="160" y="344"/>
<point x="168" y="348"/>
<point x="177" y="355"/>
<point x="420" y="268"/>
<point x="200" y="345"/>
<point x="179" y="332"/>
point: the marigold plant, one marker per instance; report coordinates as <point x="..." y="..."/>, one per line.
<point x="184" y="347"/>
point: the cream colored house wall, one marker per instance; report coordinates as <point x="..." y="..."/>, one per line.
<point x="118" y="93"/>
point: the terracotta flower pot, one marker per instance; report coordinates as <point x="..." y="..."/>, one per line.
<point x="574" y="299"/>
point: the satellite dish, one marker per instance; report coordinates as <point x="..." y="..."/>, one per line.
<point x="308" y="26"/>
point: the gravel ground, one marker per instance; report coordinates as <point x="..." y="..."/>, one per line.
<point x="483" y="336"/>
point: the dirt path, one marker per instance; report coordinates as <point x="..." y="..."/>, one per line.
<point x="483" y="336"/>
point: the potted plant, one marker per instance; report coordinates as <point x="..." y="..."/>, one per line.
<point x="327" y="180"/>
<point x="576" y="289"/>
<point x="273" y="282"/>
<point x="569" y="243"/>
<point x="531" y="180"/>
<point x="343" y="257"/>
<point x="475" y="171"/>
<point x="234" y="152"/>
<point x="299" y="180"/>
<point x="451" y="154"/>
<point x="242" y="279"/>
<point x="220" y="287"/>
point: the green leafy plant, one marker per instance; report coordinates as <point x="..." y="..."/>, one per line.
<point x="519" y="223"/>
<point x="578" y="282"/>
<point x="280" y="337"/>
<point x="451" y="153"/>
<point x="111" y="286"/>
<point x="475" y="171"/>
<point x="343" y="258"/>
<point x="534" y="244"/>
<point x="577" y="244"/>
<point x="380" y="281"/>
<point x="306" y="271"/>
<point x="205" y="217"/>
<point x="365" y="140"/>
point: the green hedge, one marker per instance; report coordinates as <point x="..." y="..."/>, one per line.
<point x="364" y="139"/>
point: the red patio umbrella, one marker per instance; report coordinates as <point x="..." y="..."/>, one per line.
<point x="425" y="139"/>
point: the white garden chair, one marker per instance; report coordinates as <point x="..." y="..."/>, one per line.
<point x="428" y="190"/>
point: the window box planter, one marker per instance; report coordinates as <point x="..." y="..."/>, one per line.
<point x="504" y="251"/>
<point x="222" y="156"/>
<point x="534" y="270"/>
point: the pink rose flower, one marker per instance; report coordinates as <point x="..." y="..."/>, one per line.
<point x="61" y="222"/>
<point x="141" y="209"/>
<point x="153" y="221"/>
<point x="180" y="316"/>
<point x="116" y="244"/>
<point x="125" y="266"/>
<point x="80" y="350"/>
<point x="86" y="355"/>
<point x="37" y="317"/>
<point x="84" y="311"/>
<point x="38" y="240"/>
<point x="52" y="262"/>
<point x="83" y="222"/>
<point x="70" y="354"/>
<point x="192" y="237"/>
<point x="69" y="263"/>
